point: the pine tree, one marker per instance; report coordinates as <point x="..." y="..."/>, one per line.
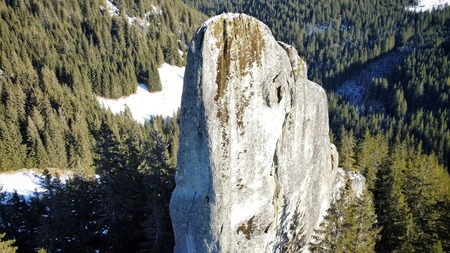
<point x="7" y="246"/>
<point x="349" y="226"/>
<point x="347" y="150"/>
<point x="367" y="228"/>
<point x="326" y="238"/>
<point x="154" y="81"/>
<point x="394" y="213"/>
<point x="371" y="157"/>
<point x="37" y="155"/>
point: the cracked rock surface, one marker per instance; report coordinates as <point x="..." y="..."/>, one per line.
<point x="255" y="168"/>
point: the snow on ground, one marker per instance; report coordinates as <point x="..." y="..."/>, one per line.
<point x="112" y="9"/>
<point x="429" y="5"/>
<point x="144" y="104"/>
<point x="142" y="23"/>
<point x="319" y="28"/>
<point x="25" y="181"/>
<point x="356" y="89"/>
<point x="156" y="10"/>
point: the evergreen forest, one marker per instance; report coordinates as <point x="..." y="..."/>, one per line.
<point x="57" y="56"/>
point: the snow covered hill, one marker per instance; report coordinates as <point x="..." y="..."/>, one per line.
<point x="429" y="5"/>
<point x="144" y="104"/>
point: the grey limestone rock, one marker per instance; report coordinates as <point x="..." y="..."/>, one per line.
<point x="255" y="167"/>
<point x="357" y="180"/>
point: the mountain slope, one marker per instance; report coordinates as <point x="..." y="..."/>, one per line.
<point x="55" y="57"/>
<point x="388" y="141"/>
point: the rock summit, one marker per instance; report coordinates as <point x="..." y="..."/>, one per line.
<point x="255" y="164"/>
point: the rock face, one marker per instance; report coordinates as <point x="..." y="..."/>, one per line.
<point x="255" y="163"/>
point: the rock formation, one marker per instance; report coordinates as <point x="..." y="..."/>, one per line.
<point x="255" y="165"/>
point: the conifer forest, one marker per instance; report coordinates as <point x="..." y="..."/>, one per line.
<point x="57" y="56"/>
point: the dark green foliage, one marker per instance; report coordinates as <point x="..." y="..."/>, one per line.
<point x="335" y="37"/>
<point x="7" y="246"/>
<point x="124" y="210"/>
<point x="349" y="226"/>
<point x="372" y="156"/>
<point x="411" y="193"/>
<point x="153" y="82"/>
<point x="18" y="220"/>
<point x="407" y="185"/>
<point x="347" y="150"/>
<point x="401" y="177"/>
<point x="55" y="57"/>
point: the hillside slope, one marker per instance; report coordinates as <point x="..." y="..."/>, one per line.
<point x="56" y="57"/>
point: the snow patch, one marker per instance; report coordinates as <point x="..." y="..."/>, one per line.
<point x="358" y="183"/>
<point x="319" y="28"/>
<point x="429" y="5"/>
<point x="354" y="91"/>
<point x="156" y="10"/>
<point x="357" y="88"/>
<point x="26" y="182"/>
<point x="143" y="104"/>
<point x="142" y="23"/>
<point x="112" y="9"/>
